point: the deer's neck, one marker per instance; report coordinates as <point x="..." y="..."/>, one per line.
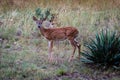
<point x="42" y="30"/>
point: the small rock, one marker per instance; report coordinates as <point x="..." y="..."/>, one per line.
<point x="18" y="32"/>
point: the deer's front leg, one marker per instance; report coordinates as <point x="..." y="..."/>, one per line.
<point x="50" y="46"/>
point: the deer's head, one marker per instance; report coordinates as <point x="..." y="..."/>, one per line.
<point x="38" y="22"/>
<point x="48" y="23"/>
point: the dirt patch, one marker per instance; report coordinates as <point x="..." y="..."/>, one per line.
<point x="81" y="76"/>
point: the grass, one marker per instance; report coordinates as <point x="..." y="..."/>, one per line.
<point x="30" y="62"/>
<point x="24" y="57"/>
<point x="21" y="65"/>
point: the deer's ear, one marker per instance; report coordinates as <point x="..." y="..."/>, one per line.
<point x="34" y="18"/>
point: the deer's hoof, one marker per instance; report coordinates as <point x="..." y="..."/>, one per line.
<point x="78" y="57"/>
<point x="70" y="59"/>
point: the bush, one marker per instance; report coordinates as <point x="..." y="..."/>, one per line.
<point x="61" y="71"/>
<point x="44" y="13"/>
<point x="103" y="50"/>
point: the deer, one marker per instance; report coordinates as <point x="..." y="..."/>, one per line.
<point x="59" y="34"/>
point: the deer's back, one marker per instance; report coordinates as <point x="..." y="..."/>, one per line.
<point x="61" y="33"/>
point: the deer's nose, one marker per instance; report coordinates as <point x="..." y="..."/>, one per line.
<point x="38" y="26"/>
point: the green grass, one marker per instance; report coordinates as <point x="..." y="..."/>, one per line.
<point x="21" y="65"/>
<point x="31" y="63"/>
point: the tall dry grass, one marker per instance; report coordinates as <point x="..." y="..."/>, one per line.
<point x="86" y="4"/>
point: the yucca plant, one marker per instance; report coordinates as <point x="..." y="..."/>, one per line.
<point x="103" y="50"/>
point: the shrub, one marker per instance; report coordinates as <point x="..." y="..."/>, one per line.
<point x="44" y="14"/>
<point x="103" y="50"/>
<point x="60" y="72"/>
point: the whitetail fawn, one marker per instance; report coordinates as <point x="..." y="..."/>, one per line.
<point x="53" y="34"/>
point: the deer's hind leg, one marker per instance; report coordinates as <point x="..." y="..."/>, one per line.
<point x="78" y="46"/>
<point x="73" y="43"/>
